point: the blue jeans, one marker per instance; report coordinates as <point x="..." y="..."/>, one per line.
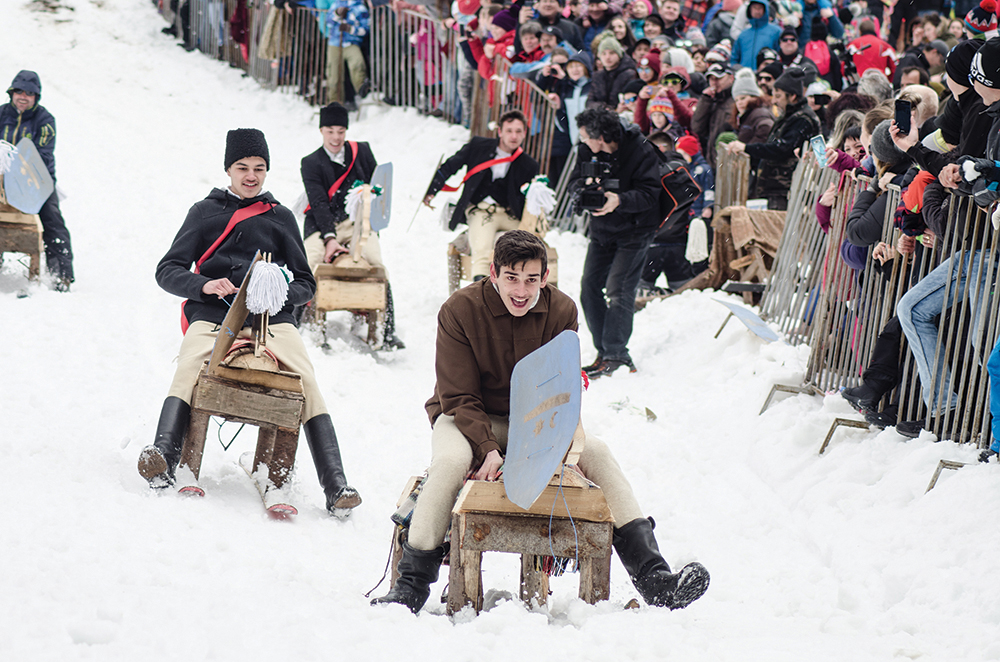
<point x="925" y="300"/>
<point x="993" y="367"/>
<point x="611" y="274"/>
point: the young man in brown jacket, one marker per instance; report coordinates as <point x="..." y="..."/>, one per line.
<point x="483" y="331"/>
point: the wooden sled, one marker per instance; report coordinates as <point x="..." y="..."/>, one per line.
<point x="20" y="233"/>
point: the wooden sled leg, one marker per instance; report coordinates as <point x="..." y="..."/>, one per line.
<point x="194" y="443"/>
<point x="286" y="443"/>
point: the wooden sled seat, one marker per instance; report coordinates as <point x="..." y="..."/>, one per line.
<point x="354" y="285"/>
<point x="20" y="233"/>
<point x="460" y="263"/>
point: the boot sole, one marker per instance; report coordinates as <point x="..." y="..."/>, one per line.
<point x="692" y="585"/>
<point x="348" y="500"/>
<point x="152" y="465"/>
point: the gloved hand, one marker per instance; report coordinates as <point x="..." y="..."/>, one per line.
<point x="973" y="168"/>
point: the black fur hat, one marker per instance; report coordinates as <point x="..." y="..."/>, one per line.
<point x="333" y="115"/>
<point x="241" y="143"/>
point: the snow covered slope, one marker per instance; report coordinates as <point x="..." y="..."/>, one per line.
<point x="840" y="557"/>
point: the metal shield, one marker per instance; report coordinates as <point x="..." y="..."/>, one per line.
<point x="28" y="184"/>
<point x="751" y="321"/>
<point x="382" y="205"/>
<point x="545" y="394"/>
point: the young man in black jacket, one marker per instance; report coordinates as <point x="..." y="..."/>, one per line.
<point x="491" y="200"/>
<point x="328" y="174"/>
<point x="221" y="261"/>
<point x="620" y="232"/>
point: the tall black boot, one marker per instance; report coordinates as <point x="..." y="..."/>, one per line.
<point x="340" y="497"/>
<point x="158" y="462"/>
<point x="390" y="340"/>
<point x="650" y="574"/>
<point x="417" y="571"/>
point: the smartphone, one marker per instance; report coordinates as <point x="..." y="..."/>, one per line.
<point x="819" y="148"/>
<point x="903" y="116"/>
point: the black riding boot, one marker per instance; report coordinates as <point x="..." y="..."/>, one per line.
<point x="417" y="571"/>
<point x="340" y="497"/>
<point x="650" y="574"/>
<point x="389" y="339"/>
<point x="158" y="462"/>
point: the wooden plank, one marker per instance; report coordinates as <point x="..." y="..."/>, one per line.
<point x="406" y="490"/>
<point x="282" y="381"/>
<point x="18" y="218"/>
<point x="341" y="269"/>
<point x="350" y="295"/>
<point x="586" y="504"/>
<point x="233" y="322"/>
<point x="266" y="436"/>
<point x="472" y="568"/>
<point x="576" y="446"/>
<point x="595" y="579"/>
<point x="457" y="598"/>
<point x="534" y="583"/>
<point x="484" y="532"/>
<point x="194" y="442"/>
<point x="248" y="404"/>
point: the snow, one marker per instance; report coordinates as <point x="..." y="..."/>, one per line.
<point x="835" y="557"/>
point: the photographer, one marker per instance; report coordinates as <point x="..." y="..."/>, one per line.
<point x="619" y="167"/>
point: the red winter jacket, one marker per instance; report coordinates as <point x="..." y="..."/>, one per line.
<point x="878" y="55"/>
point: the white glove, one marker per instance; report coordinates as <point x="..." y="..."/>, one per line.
<point x="540" y="198"/>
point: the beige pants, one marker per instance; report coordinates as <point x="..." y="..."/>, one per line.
<point x="483" y="228"/>
<point x="286" y="345"/>
<point x="316" y="248"/>
<point x="336" y="56"/>
<point x="451" y="457"/>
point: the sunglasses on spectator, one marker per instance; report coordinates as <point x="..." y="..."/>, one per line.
<point x="788" y="40"/>
<point x="629" y="98"/>
<point x="672" y="81"/>
<point x="17" y="91"/>
<point x="765" y="78"/>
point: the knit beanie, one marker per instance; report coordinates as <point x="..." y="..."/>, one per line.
<point x="985" y="67"/>
<point x="651" y="60"/>
<point x="819" y="30"/>
<point x="242" y="143"/>
<point x="959" y="61"/>
<point x="883" y="148"/>
<point x="609" y="43"/>
<point x="745" y="84"/>
<point x="695" y="36"/>
<point x="689" y="145"/>
<point x="721" y="52"/>
<point x="981" y="19"/>
<point x="333" y="115"/>
<point x="504" y="20"/>
<point x="766" y="54"/>
<point x="774" y="70"/>
<point x="792" y="81"/>
<point x="661" y="105"/>
<point x="789" y="32"/>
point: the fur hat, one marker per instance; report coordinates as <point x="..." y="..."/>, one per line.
<point x="981" y="19"/>
<point x="986" y="64"/>
<point x="333" y="115"/>
<point x="689" y="145"/>
<point x="882" y="147"/>
<point x="792" y="81"/>
<point x="745" y="84"/>
<point x="959" y="61"/>
<point x="242" y="143"/>
<point x="609" y="43"/>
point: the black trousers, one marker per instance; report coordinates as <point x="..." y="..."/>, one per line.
<point x="58" y="249"/>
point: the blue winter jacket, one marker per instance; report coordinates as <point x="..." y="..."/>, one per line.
<point x="36" y="123"/>
<point x="357" y="19"/>
<point x="761" y="33"/>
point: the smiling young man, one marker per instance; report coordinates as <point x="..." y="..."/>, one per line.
<point x="220" y="237"/>
<point x="483" y="331"/>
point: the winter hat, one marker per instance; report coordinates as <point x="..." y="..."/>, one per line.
<point x="661" y="105"/>
<point x="789" y="32"/>
<point x="583" y="57"/>
<point x="718" y="70"/>
<point x="505" y="20"/>
<point x="959" y="61"/>
<point x="634" y="86"/>
<point x="554" y="31"/>
<point x="986" y="64"/>
<point x="689" y="145"/>
<point x="721" y="52"/>
<point x="981" y="19"/>
<point x="651" y="60"/>
<point x="695" y="36"/>
<point x="677" y="72"/>
<point x="242" y="143"/>
<point x="26" y="81"/>
<point x="882" y="147"/>
<point x="333" y="115"/>
<point x="766" y="54"/>
<point x="730" y="6"/>
<point x="774" y="70"/>
<point x="792" y="81"/>
<point x="819" y="30"/>
<point x="818" y="87"/>
<point x="745" y="84"/>
<point x="609" y="43"/>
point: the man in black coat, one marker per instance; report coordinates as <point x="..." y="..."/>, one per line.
<point x="24" y="118"/>
<point x="220" y="261"/>
<point x="620" y="232"/>
<point x="491" y="200"/>
<point x="328" y="229"/>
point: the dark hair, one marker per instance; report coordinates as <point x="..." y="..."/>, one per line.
<point x="866" y="26"/>
<point x="510" y="116"/>
<point x="849" y="101"/>
<point x="655" y="18"/>
<point x="663" y="138"/>
<point x="753" y="103"/>
<point x="875" y="116"/>
<point x="924" y="78"/>
<point x="517" y="247"/>
<point x="853" y="132"/>
<point x="600" y="123"/>
<point x="933" y="18"/>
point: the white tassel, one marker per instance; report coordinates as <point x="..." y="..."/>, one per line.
<point x="352" y="201"/>
<point x="267" y="290"/>
<point x="7" y="152"/>
<point x="540" y="198"/>
<point x="697" y="246"/>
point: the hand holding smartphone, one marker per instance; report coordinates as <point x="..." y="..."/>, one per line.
<point x="903" y="110"/>
<point x="818" y="145"/>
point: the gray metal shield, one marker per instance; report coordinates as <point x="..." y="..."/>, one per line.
<point x="382" y="205"/>
<point x="28" y="184"/>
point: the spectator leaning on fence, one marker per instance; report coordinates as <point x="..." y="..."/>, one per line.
<point x="797" y="124"/>
<point x="348" y="23"/>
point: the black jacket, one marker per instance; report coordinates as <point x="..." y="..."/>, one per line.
<point x="964" y="122"/>
<point x="479" y="150"/>
<point x="777" y="156"/>
<point x="867" y="217"/>
<point x="636" y="165"/>
<point x="274" y="231"/>
<point x="319" y="173"/>
<point x="605" y="86"/>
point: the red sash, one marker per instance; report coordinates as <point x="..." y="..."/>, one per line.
<point x="483" y="166"/>
<point x="238" y="216"/>
<point x="336" y="185"/>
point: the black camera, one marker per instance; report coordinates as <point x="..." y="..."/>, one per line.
<point x="590" y="196"/>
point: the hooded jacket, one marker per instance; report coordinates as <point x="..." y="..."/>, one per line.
<point x="605" y="86"/>
<point x="777" y="155"/>
<point x="36" y="124"/>
<point x="760" y="33"/>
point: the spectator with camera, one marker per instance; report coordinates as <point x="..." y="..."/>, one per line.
<point x="567" y="80"/>
<point x="617" y="182"/>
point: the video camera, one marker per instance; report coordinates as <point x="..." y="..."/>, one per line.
<point x="591" y="196"/>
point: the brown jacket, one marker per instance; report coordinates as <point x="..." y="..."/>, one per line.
<point x="478" y="344"/>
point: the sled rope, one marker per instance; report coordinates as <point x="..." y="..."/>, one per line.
<point x="388" y="561"/>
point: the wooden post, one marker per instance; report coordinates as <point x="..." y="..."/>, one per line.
<point x="534" y="582"/>
<point x="194" y="442"/>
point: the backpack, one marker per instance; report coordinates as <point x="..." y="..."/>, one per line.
<point x="819" y="53"/>
<point x="680" y="190"/>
